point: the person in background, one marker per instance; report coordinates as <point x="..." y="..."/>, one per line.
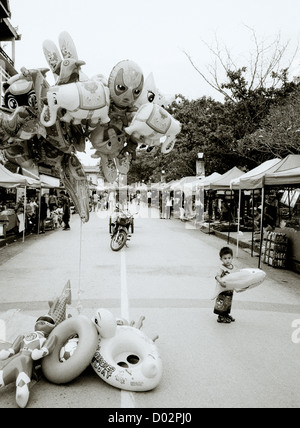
<point x="43" y="214"/>
<point x="149" y="194"/>
<point x="95" y="200"/>
<point x="65" y="202"/>
<point x="270" y="213"/>
<point x="52" y="201"/>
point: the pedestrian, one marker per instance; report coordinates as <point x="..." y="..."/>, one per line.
<point x="168" y="207"/>
<point x="270" y="213"/>
<point x="226" y="214"/>
<point x="43" y="214"/>
<point x="149" y="195"/>
<point x="95" y="200"/>
<point x="224" y="299"/>
<point x="52" y="201"/>
<point x="65" y="202"/>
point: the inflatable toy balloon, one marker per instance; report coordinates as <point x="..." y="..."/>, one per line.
<point x="27" y="143"/>
<point x="53" y="57"/>
<point x="87" y="100"/>
<point x="150" y="123"/>
<point x="148" y="93"/>
<point x="125" y="83"/>
<point x="46" y="125"/>
<point x="65" y="65"/>
<point x="151" y="94"/>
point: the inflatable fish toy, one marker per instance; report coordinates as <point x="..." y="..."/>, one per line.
<point x="57" y="309"/>
<point x="241" y="280"/>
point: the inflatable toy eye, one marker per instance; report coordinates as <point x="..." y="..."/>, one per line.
<point x="120" y="89"/>
<point x="150" y="96"/>
<point x="12" y="103"/>
<point x="136" y="92"/>
<point x="32" y="99"/>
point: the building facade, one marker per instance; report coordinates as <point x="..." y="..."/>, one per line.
<point x="8" y="37"/>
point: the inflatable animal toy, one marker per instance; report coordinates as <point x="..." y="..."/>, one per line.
<point x="87" y="100"/>
<point x="125" y="357"/>
<point x="240" y="281"/>
<point x="152" y="122"/>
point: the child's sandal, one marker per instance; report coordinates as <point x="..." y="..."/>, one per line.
<point x="223" y="319"/>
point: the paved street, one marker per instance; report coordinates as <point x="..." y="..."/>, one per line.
<point x="166" y="274"/>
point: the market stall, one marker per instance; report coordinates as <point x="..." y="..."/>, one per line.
<point x="282" y="173"/>
<point x="220" y="184"/>
<point x="8" y="180"/>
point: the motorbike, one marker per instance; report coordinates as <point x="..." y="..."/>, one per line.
<point x="121" y="227"/>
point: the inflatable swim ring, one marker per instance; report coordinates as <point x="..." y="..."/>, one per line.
<point x="128" y="360"/>
<point x="62" y="370"/>
<point x="241" y="280"/>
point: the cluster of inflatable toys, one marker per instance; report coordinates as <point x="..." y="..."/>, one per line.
<point x="63" y="347"/>
<point x="46" y="125"/>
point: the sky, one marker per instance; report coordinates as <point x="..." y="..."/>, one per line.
<point x="155" y="34"/>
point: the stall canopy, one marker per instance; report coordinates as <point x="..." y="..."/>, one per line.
<point x="288" y="177"/>
<point x="180" y="184"/>
<point x="199" y="182"/>
<point x="9" y="179"/>
<point x="223" y="182"/>
<point x="254" y="174"/>
<point x="257" y="181"/>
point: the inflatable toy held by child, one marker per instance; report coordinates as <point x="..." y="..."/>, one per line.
<point x="240" y="281"/>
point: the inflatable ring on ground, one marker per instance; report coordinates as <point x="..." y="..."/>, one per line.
<point x="129" y="360"/>
<point x="58" y="371"/>
<point x="241" y="280"/>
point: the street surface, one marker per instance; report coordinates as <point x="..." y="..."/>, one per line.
<point x="166" y="274"/>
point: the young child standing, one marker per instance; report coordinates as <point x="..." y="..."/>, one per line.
<point x="224" y="299"/>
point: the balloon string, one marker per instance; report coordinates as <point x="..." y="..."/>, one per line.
<point x="79" y="304"/>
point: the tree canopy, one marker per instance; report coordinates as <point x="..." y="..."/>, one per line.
<point x="258" y="120"/>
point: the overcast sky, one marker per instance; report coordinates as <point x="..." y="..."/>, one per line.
<point x="154" y="34"/>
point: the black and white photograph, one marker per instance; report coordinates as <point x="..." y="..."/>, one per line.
<point x="149" y="207"/>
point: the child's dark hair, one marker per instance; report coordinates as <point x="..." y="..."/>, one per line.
<point x="225" y="250"/>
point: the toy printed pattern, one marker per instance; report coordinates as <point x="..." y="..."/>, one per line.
<point x="101" y="366"/>
<point x="91" y="95"/>
<point x="159" y="120"/>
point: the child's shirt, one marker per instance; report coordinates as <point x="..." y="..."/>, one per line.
<point x="224" y="270"/>
<point x="221" y="272"/>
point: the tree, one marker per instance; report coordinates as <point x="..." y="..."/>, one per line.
<point x="266" y="63"/>
<point x="229" y="133"/>
<point x="279" y="132"/>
